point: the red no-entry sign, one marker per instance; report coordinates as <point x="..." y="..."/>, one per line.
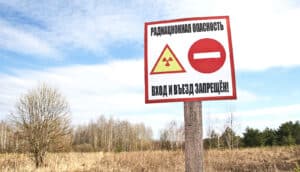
<point x="207" y="55"/>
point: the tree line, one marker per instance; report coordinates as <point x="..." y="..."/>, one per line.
<point x="100" y="135"/>
<point x="111" y="135"/>
<point x="286" y="134"/>
<point x="108" y="134"/>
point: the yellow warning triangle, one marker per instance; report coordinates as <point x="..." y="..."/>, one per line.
<point x="167" y="63"/>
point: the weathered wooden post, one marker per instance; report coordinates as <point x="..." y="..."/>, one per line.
<point x="193" y="137"/>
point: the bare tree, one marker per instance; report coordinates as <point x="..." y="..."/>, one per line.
<point x="172" y="136"/>
<point x="229" y="135"/>
<point x="42" y="119"/>
<point x="4" y="136"/>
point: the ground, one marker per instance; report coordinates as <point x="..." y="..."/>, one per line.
<point x="254" y="159"/>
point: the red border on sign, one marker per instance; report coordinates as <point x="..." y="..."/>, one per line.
<point x="180" y="71"/>
<point x="233" y="96"/>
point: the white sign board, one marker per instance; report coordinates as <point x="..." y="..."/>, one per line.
<point x="189" y="60"/>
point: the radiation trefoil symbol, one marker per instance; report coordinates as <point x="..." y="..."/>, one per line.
<point x="167" y="62"/>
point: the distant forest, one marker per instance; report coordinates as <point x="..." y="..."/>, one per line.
<point x="108" y="134"/>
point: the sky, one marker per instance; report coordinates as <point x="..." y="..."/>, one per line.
<point x="93" y="52"/>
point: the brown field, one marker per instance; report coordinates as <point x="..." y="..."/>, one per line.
<point x="256" y="159"/>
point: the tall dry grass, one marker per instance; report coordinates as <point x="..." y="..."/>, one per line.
<point x="256" y="159"/>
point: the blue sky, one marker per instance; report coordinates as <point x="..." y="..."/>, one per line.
<point x="93" y="53"/>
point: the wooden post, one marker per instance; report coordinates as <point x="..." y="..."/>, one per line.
<point x="193" y="137"/>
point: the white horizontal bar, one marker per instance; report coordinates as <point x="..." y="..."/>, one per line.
<point x="206" y="55"/>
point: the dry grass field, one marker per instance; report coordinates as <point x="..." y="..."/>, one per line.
<point x="256" y="159"/>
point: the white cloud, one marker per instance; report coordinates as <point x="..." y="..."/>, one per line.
<point x="89" y="25"/>
<point x="275" y="112"/>
<point x="247" y="96"/>
<point x="17" y="40"/>
<point x="265" y="34"/>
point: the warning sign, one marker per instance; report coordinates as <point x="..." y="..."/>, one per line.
<point x="189" y="59"/>
<point x="167" y="63"/>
